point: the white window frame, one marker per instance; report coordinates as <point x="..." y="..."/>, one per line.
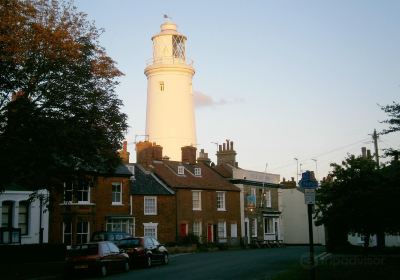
<point x="268" y="198"/>
<point x="150" y="227"/>
<point x="254" y="227"/>
<point x="82" y="233"/>
<point x="67" y="233"/>
<point x="197" y="228"/>
<point x="114" y="194"/>
<point x="221" y="229"/>
<point x="123" y="224"/>
<point x="181" y="170"/>
<point x="197" y="171"/>
<point x="234" y="231"/>
<point x="76" y="193"/>
<point x="196" y="207"/>
<point x="146" y="207"/>
<point x="23" y="218"/>
<point x="221" y="201"/>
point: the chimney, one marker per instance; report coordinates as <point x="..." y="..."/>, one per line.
<point x="144" y="153"/>
<point x="189" y="154"/>
<point x="157" y="152"/>
<point x="226" y="154"/>
<point x="369" y="154"/>
<point x="203" y="157"/>
<point x="124" y="154"/>
<point x="364" y="152"/>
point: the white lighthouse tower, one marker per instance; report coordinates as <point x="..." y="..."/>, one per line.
<point x="170" y="120"/>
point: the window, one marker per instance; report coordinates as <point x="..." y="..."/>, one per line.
<point x="77" y="193"/>
<point x="7" y="214"/>
<point x="162" y="87"/>
<point x="121" y="224"/>
<point x="221" y="229"/>
<point x="197" y="228"/>
<point x="116" y="193"/>
<point x="150" y="205"/>
<point x="181" y="170"/>
<point x="197" y="171"/>
<point x="82" y="232"/>
<point x="254" y="227"/>
<point x="178" y="46"/>
<point x="268" y="199"/>
<point x="221" y="201"/>
<point x="234" y="230"/>
<point x="23" y="217"/>
<point x="196" y="198"/>
<point x="268" y="225"/>
<point x="67" y="233"/>
<point x="150" y="230"/>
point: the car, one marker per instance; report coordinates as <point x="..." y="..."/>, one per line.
<point x="144" y="251"/>
<point x="113" y="236"/>
<point x="99" y="257"/>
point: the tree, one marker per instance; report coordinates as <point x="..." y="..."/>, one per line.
<point x="348" y="201"/>
<point x="393" y="111"/>
<point x="59" y="114"/>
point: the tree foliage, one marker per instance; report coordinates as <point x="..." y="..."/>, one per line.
<point x="59" y="114"/>
<point x="393" y="112"/>
<point x="359" y="198"/>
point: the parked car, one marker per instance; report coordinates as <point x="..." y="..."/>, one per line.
<point x="113" y="236"/>
<point x="99" y="257"/>
<point x="144" y="251"/>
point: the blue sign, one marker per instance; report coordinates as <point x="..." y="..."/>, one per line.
<point x="308" y="180"/>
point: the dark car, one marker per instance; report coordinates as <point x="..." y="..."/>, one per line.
<point x="113" y="236"/>
<point x="99" y="257"/>
<point x="144" y="251"/>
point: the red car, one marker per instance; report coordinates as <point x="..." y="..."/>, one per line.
<point x="99" y="257"/>
<point x="144" y="251"/>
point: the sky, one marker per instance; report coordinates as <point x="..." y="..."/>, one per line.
<point x="281" y="79"/>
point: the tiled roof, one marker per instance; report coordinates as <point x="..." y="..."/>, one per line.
<point x="224" y="170"/>
<point x="167" y="171"/>
<point x="146" y="183"/>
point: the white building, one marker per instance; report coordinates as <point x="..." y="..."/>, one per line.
<point x="170" y="120"/>
<point x="19" y="212"/>
<point x="295" y="219"/>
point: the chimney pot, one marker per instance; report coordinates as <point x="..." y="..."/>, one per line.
<point x="364" y="152"/>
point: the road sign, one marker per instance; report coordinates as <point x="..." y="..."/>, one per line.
<point x="309" y="196"/>
<point x="308" y="180"/>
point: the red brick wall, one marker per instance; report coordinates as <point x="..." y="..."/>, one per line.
<point x="166" y="217"/>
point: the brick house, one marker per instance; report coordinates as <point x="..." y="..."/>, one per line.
<point x="100" y="203"/>
<point x="260" y="197"/>
<point x="185" y="197"/>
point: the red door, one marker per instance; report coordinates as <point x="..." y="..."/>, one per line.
<point x="210" y="233"/>
<point x="182" y="230"/>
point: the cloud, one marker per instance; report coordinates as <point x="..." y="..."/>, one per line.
<point x="203" y="100"/>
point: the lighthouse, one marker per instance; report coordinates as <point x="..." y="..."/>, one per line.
<point x="170" y="120"/>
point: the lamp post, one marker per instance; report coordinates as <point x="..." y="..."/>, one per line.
<point x="297" y="170"/>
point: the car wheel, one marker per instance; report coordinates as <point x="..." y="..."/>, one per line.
<point x="165" y="258"/>
<point x="148" y="261"/>
<point x="126" y="266"/>
<point x="103" y="271"/>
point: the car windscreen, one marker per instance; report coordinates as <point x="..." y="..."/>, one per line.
<point x="126" y="243"/>
<point x="84" y="250"/>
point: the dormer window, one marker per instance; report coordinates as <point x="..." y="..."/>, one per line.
<point x="197" y="171"/>
<point x="181" y="170"/>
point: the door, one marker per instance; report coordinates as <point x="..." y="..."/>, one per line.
<point x="246" y="230"/>
<point x="183" y="230"/>
<point x="210" y="238"/>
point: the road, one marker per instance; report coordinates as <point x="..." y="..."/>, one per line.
<point x="238" y="264"/>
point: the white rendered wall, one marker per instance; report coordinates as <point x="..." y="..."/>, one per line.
<point x="34" y="215"/>
<point x="170" y="120"/>
<point x="295" y="221"/>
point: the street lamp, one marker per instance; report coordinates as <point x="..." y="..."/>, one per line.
<point x="297" y="170"/>
<point x="316" y="167"/>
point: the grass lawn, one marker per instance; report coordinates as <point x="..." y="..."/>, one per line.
<point x="374" y="268"/>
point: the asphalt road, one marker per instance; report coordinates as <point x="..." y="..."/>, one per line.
<point x="240" y="264"/>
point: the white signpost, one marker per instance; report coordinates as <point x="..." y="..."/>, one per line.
<point x="309" y="196"/>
